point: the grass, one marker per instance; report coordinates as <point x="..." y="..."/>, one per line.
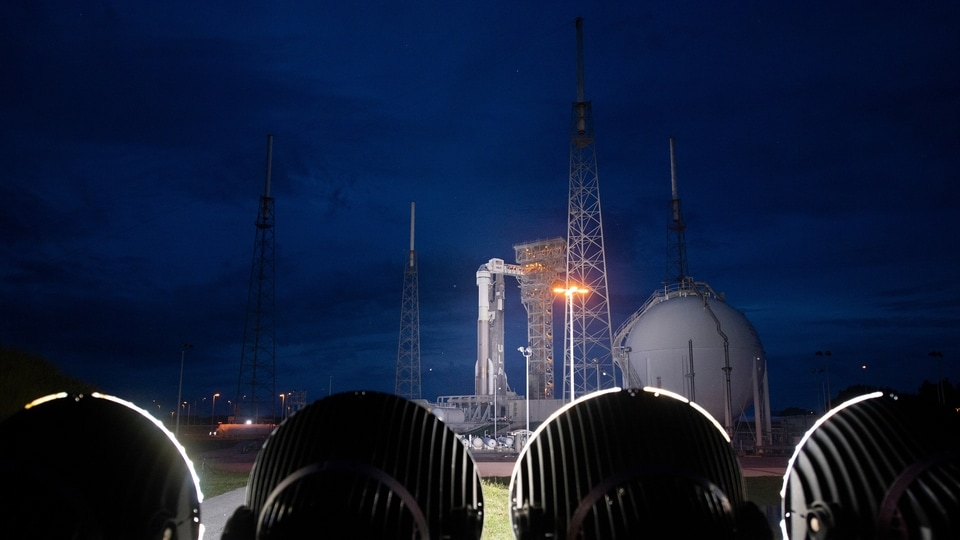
<point x="496" y="503"/>
<point x="214" y="481"/>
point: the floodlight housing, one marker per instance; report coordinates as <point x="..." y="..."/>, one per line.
<point x="374" y="464"/>
<point x="95" y="466"/>
<point x="621" y="463"/>
<point x="876" y="466"/>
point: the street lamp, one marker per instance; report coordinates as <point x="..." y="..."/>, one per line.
<point x="283" y="402"/>
<point x="213" y="411"/>
<point x="569" y="292"/>
<point x="526" y="352"/>
<point x="183" y="350"/>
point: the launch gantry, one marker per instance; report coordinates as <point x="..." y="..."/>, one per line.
<point x="541" y="264"/>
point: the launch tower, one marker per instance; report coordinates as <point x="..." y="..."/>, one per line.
<point x="543" y="263"/>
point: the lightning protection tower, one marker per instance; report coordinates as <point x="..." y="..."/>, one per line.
<point x="256" y="386"/>
<point x="408" y="353"/>
<point x="590" y="332"/>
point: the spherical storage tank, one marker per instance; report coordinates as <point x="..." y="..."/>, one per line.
<point x="677" y="343"/>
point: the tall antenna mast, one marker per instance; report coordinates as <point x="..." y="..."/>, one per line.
<point x="676" y="241"/>
<point x="257" y="384"/>
<point x="408" y="351"/>
<point x="589" y="363"/>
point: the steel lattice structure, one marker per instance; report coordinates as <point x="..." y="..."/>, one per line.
<point x="408" y="351"/>
<point x="676" y="239"/>
<point x="590" y="328"/>
<point x="543" y="264"/>
<point x="256" y="386"/>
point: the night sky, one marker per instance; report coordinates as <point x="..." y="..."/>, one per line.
<point x="816" y="146"/>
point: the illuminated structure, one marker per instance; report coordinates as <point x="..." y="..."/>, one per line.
<point x="570" y="293"/>
<point x="408" y="350"/>
<point x="591" y="332"/>
<point x="256" y="386"/>
<point x="540" y="265"/>
<point x="543" y="263"/>
<point x="489" y="375"/>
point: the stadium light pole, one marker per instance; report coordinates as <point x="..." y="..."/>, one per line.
<point x="183" y="351"/>
<point x="569" y="292"/>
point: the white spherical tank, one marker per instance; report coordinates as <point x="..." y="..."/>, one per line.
<point x="678" y="345"/>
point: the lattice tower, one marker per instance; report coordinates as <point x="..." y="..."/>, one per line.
<point x="408" y="351"/>
<point x="586" y="264"/>
<point x="256" y="386"/>
<point x="544" y="264"/>
<point x="677" y="271"/>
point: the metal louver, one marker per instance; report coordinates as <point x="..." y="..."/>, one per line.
<point x="374" y="464"/>
<point x="94" y="467"/>
<point x="875" y="467"/>
<point x="620" y="464"/>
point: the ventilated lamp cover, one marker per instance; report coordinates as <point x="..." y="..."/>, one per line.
<point x="94" y="467"/>
<point x="373" y="464"/>
<point x="630" y="464"/>
<point x="876" y="466"/>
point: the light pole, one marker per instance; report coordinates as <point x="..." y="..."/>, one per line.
<point x="526" y="352"/>
<point x="826" y="371"/>
<point x="939" y="356"/>
<point x="183" y="351"/>
<point x="569" y="292"/>
<point x="213" y="411"/>
<point x="283" y="409"/>
<point x="596" y="367"/>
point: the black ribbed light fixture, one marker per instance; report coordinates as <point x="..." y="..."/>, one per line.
<point x="372" y="464"/>
<point x="875" y="467"/>
<point x="631" y="464"/>
<point x="94" y="466"/>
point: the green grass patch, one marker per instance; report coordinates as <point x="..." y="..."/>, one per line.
<point x="496" y="509"/>
<point x="215" y="482"/>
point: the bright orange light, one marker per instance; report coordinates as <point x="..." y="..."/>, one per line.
<point x="570" y="291"/>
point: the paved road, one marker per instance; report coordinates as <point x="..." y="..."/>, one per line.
<point x="215" y="511"/>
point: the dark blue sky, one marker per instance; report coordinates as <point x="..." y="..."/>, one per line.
<point x="817" y="155"/>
